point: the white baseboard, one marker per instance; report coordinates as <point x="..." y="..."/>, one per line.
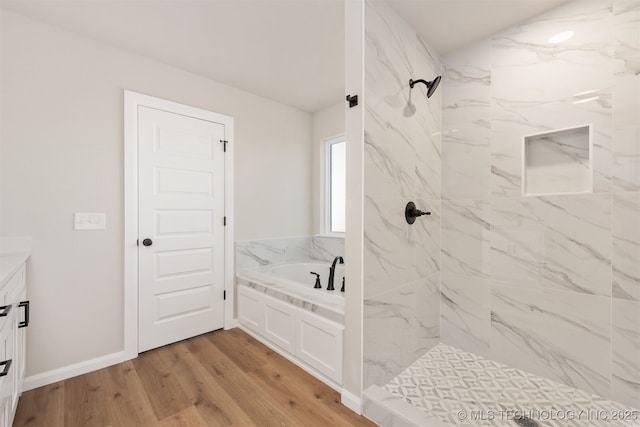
<point x="351" y="401"/>
<point x="50" y="377"/>
<point x="232" y="324"/>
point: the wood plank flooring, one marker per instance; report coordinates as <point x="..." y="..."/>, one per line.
<point x="225" y="378"/>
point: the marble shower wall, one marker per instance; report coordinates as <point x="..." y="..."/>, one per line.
<point x="549" y="284"/>
<point x="401" y="163"/>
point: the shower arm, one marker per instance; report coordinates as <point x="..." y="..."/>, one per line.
<point x="413" y="82"/>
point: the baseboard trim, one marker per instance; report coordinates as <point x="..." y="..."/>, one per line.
<point x="351" y="401"/>
<point x="232" y="324"/>
<point x="50" y="377"/>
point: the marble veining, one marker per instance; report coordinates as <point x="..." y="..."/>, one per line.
<point x="466" y="160"/>
<point x="626" y="245"/>
<point x="626" y="93"/>
<point x="625" y="381"/>
<point x="465" y="313"/>
<point x="326" y="248"/>
<point x="402" y="162"/>
<point x="406" y="325"/>
<point x="256" y="253"/>
<point x="548" y="284"/>
<point x="333" y="312"/>
<point x="564" y="336"/>
<point x="466" y="243"/>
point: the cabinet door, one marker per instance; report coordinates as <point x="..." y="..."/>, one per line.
<point x="250" y="309"/>
<point x="7" y="380"/>
<point x="280" y="323"/>
<point x="319" y="344"/>
<point x="21" y="345"/>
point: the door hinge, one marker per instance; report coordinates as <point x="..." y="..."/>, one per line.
<point x="224" y="295"/>
<point x="224" y="221"/>
<point x="224" y="146"/>
<point x="138" y="242"/>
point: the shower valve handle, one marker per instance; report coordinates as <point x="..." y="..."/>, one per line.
<point x="411" y="213"/>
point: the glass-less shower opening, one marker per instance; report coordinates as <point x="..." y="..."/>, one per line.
<point x="517" y="302"/>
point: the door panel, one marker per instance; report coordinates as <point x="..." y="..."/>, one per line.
<point x="181" y="209"/>
<point x="185" y="221"/>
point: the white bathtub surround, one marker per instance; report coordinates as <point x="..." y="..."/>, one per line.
<point x="401" y="163"/>
<point x="298" y="292"/>
<point x="278" y="305"/>
<point x="546" y="284"/>
<point x="324" y="248"/>
<point x="255" y="253"/>
<point x="446" y="382"/>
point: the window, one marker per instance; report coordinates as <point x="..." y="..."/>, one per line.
<point x="335" y="175"/>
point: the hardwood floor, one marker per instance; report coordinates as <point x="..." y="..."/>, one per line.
<point x="225" y="378"/>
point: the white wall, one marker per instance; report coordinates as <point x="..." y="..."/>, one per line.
<point x="326" y="124"/>
<point x="354" y="236"/>
<point x="62" y="151"/>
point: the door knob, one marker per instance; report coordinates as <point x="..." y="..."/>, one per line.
<point x="147" y="242"/>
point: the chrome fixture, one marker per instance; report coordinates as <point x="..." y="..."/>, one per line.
<point x="332" y="272"/>
<point x="431" y="86"/>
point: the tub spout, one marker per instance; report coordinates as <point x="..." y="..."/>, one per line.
<point x="332" y="272"/>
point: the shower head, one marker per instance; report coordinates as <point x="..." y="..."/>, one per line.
<point x="431" y="86"/>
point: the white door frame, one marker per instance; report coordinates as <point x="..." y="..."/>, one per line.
<point x="131" y="102"/>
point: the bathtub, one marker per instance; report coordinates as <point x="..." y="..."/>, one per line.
<point x="278" y="305"/>
<point x="294" y="280"/>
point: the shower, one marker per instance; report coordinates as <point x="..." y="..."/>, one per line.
<point x="431" y="86"/>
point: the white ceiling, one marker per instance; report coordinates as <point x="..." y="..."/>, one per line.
<point x="291" y="51"/>
<point x="447" y="25"/>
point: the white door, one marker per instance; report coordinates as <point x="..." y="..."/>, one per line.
<point x="181" y="220"/>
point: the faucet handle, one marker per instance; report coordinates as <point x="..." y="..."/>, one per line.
<point x="317" y="285"/>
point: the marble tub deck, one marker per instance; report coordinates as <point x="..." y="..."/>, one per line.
<point x="302" y="298"/>
<point x="448" y="386"/>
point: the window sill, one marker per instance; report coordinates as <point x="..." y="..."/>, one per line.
<point x="334" y="235"/>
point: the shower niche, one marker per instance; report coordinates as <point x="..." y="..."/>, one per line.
<point x="558" y="162"/>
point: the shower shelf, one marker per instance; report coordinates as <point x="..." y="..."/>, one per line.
<point x="558" y="162"/>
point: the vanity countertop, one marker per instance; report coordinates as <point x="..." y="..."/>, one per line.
<point x="10" y="263"/>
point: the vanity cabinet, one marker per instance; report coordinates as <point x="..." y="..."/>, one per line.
<point x="310" y="341"/>
<point x="14" y="319"/>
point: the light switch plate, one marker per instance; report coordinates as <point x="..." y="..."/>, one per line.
<point x="89" y="221"/>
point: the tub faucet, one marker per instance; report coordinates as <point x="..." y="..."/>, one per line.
<point x="332" y="272"/>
